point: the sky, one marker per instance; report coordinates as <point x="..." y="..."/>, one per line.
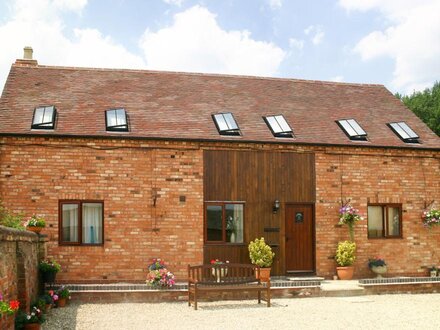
<point x="391" y="42"/>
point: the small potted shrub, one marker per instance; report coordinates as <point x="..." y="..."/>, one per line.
<point x="63" y="294"/>
<point x="345" y="257"/>
<point x="48" y="269"/>
<point x="433" y="271"/>
<point x="261" y="255"/>
<point x="35" y="224"/>
<point x="377" y="266"/>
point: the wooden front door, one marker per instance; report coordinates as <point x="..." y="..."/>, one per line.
<point x="299" y="238"/>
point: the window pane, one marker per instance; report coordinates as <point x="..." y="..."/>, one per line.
<point x="375" y="224"/>
<point x="234" y="223"/>
<point x="70" y="223"/>
<point x="400" y="131"/>
<point x="230" y="121"/>
<point x="111" y="118"/>
<point x="38" y="116"/>
<point x="356" y="127"/>
<point x="222" y="126"/>
<point x="350" y="131"/>
<point x="48" y="113"/>
<point x="92" y="223"/>
<point x="274" y="125"/>
<point x="214" y="223"/>
<point x="393" y="221"/>
<point x="120" y="117"/>
<point x="408" y="130"/>
<point x="283" y="123"/>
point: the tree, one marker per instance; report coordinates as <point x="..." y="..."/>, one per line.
<point x="426" y="105"/>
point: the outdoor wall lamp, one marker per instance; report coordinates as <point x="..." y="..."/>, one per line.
<point x="276" y="206"/>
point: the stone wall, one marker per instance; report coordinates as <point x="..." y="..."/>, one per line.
<point x="20" y="252"/>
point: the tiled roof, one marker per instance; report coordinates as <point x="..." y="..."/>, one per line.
<point x="179" y="106"/>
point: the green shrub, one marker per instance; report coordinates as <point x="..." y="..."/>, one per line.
<point x="345" y="253"/>
<point x="8" y="219"/>
<point x="260" y="253"/>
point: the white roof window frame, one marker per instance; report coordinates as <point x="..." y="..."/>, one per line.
<point x="226" y="124"/>
<point x="279" y="126"/>
<point x="352" y="129"/>
<point x="404" y="132"/>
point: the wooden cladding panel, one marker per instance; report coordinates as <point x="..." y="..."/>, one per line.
<point x="257" y="178"/>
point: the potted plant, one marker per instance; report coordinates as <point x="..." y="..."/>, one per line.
<point x="34" y="319"/>
<point x="345" y="257"/>
<point x="433" y="271"/>
<point x="35" y="224"/>
<point x="63" y="294"/>
<point x="261" y="255"/>
<point x="219" y="271"/>
<point x="431" y="218"/>
<point x="8" y="308"/>
<point x="48" y="269"/>
<point x="377" y="266"/>
<point x="159" y="276"/>
<point x="348" y="215"/>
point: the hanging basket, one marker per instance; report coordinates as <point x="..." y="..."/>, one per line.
<point x="48" y="277"/>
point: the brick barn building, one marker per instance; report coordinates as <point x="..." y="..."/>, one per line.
<point x="128" y="165"/>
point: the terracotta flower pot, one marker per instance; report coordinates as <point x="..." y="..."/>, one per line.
<point x="61" y="302"/>
<point x="32" y="326"/>
<point x="34" y="229"/>
<point x="345" y="273"/>
<point x="264" y="274"/>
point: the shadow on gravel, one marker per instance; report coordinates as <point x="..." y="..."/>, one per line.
<point x="237" y="306"/>
<point x="62" y="318"/>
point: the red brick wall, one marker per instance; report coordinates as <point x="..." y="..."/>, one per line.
<point x="377" y="176"/>
<point x="34" y="178"/>
<point x="126" y="174"/>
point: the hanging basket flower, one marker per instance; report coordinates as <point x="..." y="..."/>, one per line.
<point x="348" y="215"/>
<point x="431" y="218"/>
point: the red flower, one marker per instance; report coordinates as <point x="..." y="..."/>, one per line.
<point x="14" y="305"/>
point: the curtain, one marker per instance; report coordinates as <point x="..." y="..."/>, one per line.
<point x="70" y="223"/>
<point x="234" y="223"/>
<point x="92" y="223"/>
<point x="375" y="225"/>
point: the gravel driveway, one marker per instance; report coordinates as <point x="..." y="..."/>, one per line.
<point x="421" y="311"/>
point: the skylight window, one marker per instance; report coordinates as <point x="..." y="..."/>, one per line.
<point x="44" y="117"/>
<point x="279" y="126"/>
<point x="226" y="124"/>
<point x="116" y="120"/>
<point x="353" y="130"/>
<point x="404" y="132"/>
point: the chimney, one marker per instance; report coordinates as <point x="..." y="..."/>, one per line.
<point x="28" y="53"/>
<point x="27" y="58"/>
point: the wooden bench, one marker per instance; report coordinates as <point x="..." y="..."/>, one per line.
<point x="225" y="278"/>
